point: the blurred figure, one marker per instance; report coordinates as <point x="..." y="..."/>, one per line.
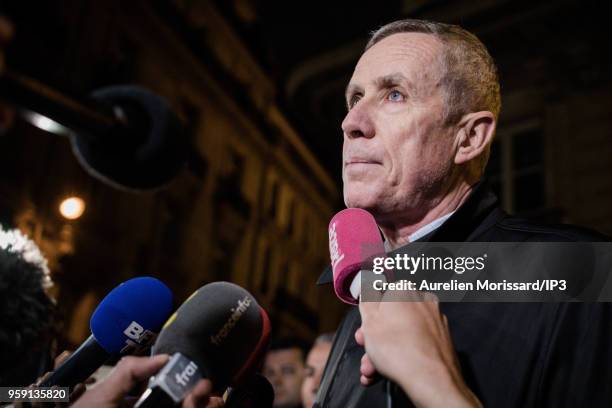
<point x="284" y="368"/>
<point x="27" y="312"/>
<point x="315" y="363"/>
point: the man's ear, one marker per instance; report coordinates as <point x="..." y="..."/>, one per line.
<point x="474" y="134"/>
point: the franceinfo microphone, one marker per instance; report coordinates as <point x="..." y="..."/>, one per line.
<point x="219" y="333"/>
<point x="125" y="322"/>
<point x="124" y="135"/>
<point x="354" y="240"/>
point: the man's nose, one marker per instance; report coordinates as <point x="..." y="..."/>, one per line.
<point x="358" y="122"/>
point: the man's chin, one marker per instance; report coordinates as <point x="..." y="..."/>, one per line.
<point x="360" y="199"/>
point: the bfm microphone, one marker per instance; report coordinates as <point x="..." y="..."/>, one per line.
<point x="354" y="240"/>
<point x="257" y="392"/>
<point x="219" y="333"/>
<point x="126" y="321"/>
<point x="124" y="135"/>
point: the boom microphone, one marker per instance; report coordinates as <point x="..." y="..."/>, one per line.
<point x="124" y="135"/>
<point x="219" y="333"/>
<point x="354" y="239"/>
<point x="126" y="321"/>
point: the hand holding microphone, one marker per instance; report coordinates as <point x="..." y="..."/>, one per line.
<point x="126" y="321"/>
<point x="419" y="356"/>
<point x="220" y="333"/>
<point x="354" y="239"/>
<point x="128" y="373"/>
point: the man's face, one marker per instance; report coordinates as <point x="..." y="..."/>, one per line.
<point x="315" y="363"/>
<point x="285" y="371"/>
<point x="397" y="150"/>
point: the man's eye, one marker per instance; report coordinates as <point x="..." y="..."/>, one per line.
<point x="395" y="96"/>
<point x="353" y="100"/>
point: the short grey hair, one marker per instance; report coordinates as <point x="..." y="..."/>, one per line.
<point x="468" y="73"/>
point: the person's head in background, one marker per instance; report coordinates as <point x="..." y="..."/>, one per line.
<point x="315" y="364"/>
<point x="284" y="368"/>
<point x="27" y="312"/>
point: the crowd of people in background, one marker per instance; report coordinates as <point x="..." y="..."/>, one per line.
<point x="295" y="370"/>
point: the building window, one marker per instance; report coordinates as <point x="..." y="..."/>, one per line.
<point x="516" y="168"/>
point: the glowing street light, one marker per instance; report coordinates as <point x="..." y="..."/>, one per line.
<point x="72" y="208"/>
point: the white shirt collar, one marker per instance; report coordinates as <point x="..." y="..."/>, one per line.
<point x="431" y="227"/>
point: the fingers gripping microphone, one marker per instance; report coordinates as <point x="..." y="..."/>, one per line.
<point x="125" y="135"/>
<point x="354" y="239"/>
<point x="127" y="319"/>
<point x="219" y="333"/>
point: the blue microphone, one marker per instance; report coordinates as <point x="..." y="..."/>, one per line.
<point x="125" y="322"/>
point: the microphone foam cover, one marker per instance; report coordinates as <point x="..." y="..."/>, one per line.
<point x="144" y="300"/>
<point x="354" y="240"/>
<point x="145" y="155"/>
<point x="222" y="329"/>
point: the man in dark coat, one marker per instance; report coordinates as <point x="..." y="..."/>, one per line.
<point x="423" y="104"/>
